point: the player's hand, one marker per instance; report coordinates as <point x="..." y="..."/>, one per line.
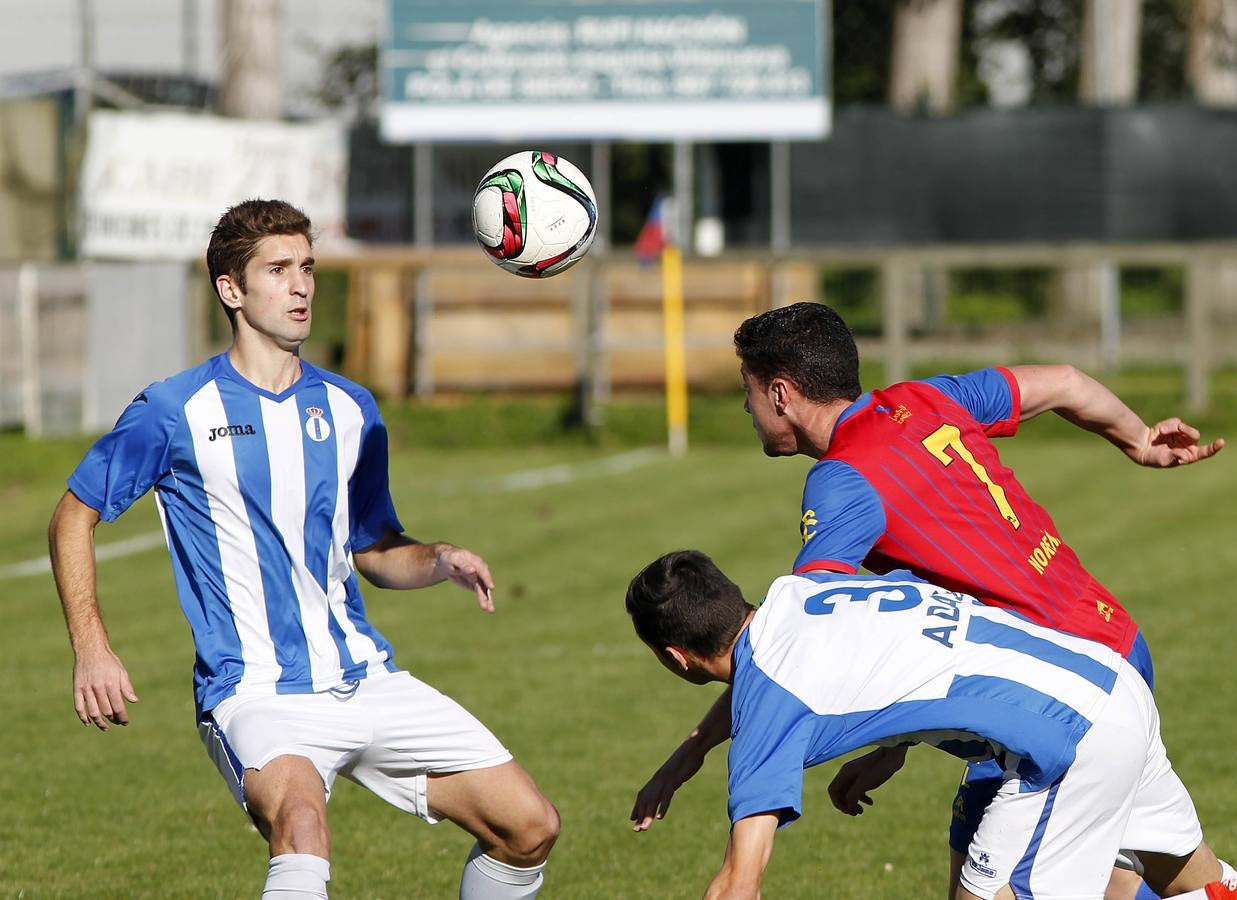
<point x="1172" y="443"/>
<point x="653" y="801"/>
<point x="100" y="688"/>
<point x="849" y="788"/>
<point x="467" y="570"/>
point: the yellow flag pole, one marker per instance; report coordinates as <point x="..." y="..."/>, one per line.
<point x="676" y="356"/>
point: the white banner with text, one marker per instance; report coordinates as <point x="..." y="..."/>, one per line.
<point x="154" y="184"/>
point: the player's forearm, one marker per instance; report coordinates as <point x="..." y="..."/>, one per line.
<point x="71" y="548"/>
<point x="1078" y="398"/>
<point x="401" y="563"/>
<point x="747" y="857"/>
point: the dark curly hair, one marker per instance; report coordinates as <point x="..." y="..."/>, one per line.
<point x="806" y="343"/>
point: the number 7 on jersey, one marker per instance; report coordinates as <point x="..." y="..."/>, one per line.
<point x="946" y="437"/>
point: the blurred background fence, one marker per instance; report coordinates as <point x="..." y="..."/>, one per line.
<point x="80" y="339"/>
<point x="987" y="181"/>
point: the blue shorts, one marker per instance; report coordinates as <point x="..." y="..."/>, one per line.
<point x="982" y="780"/>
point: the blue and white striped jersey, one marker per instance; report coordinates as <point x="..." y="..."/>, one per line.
<point x="263" y="498"/>
<point x="832" y="662"/>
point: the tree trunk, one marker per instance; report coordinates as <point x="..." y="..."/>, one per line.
<point x="1211" y="60"/>
<point x="1109" y="64"/>
<point x="251" y="83"/>
<point x="926" y="39"/>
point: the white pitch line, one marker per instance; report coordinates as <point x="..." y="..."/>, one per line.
<point x="526" y="480"/>
<point x="564" y="473"/>
<point x="115" y="550"/>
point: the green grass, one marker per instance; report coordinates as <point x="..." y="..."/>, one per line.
<point x="557" y="673"/>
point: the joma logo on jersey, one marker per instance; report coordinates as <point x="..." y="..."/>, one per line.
<point x="231" y="431"/>
<point x="1043" y="554"/>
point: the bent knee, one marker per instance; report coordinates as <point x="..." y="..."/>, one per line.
<point x="528" y="839"/>
<point x="297" y="827"/>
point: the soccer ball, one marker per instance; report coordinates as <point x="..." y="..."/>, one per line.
<point x="534" y="214"/>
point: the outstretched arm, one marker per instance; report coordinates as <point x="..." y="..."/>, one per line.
<point x="100" y="683"/>
<point x="398" y="561"/>
<point x="654" y="798"/>
<point x="1079" y="398"/>
<point x="747" y="856"/>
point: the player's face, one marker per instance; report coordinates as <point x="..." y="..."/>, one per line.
<point x="279" y="289"/>
<point x="773" y="430"/>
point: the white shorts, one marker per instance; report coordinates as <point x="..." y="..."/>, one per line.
<point x="388" y="734"/>
<point x="1120" y="793"/>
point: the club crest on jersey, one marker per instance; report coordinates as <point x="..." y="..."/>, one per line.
<point x="316" y="426"/>
<point x="806" y="524"/>
<point x="231" y="431"/>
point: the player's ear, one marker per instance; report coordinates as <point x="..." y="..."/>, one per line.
<point x="678" y="656"/>
<point x="779" y="393"/>
<point x="229" y="291"/>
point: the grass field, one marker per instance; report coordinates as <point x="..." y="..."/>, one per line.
<point x="557" y="672"/>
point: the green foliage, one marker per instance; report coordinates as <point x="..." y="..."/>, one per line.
<point x="854" y="293"/>
<point x="557" y="673"/>
<point x="1162" y="44"/>
<point x="1051" y="32"/>
<point x="350" y="80"/>
<point x="862" y="52"/>
<point x="1152" y="292"/>
<point x="997" y="296"/>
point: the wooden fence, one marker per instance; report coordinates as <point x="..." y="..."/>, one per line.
<point x="428" y="321"/>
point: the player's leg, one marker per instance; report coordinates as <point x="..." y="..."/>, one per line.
<point x="1123" y="883"/>
<point x="515" y="827"/>
<point x="279" y="766"/>
<point x="1163" y="827"/>
<point x="1059" y="840"/>
<point x="1175" y="875"/>
<point x="434" y="759"/>
<point x="1126" y="884"/>
<point x="979" y="785"/>
<point x="287" y="801"/>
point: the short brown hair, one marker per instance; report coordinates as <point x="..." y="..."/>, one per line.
<point x="235" y="238"/>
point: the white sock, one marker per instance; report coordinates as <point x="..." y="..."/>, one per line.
<point x="485" y="878"/>
<point x="296" y="876"/>
<point x="1228" y="875"/>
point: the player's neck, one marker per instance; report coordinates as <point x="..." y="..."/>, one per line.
<point x="721" y="667"/>
<point x="814" y="426"/>
<point x="265" y="365"/>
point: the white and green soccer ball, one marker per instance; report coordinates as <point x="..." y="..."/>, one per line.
<point x="534" y="214"/>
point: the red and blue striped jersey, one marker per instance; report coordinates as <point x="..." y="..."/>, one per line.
<point x="911" y="479"/>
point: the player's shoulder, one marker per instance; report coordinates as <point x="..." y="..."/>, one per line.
<point x="168" y="396"/>
<point x="836" y="473"/>
<point x="992" y="379"/>
<point x="356" y="392"/>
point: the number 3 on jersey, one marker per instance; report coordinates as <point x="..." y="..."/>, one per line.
<point x="946" y="437"/>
